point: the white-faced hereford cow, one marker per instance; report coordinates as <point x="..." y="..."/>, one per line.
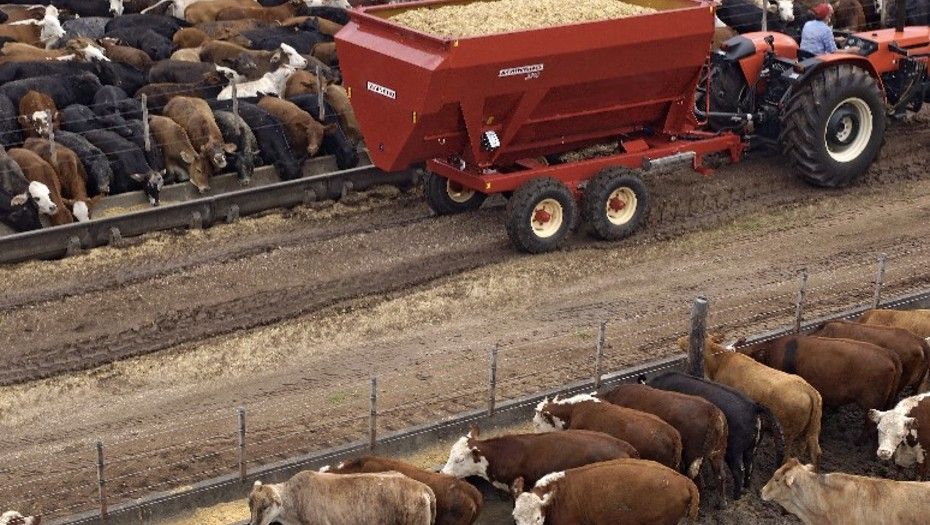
<point x="653" y="438"/>
<point x="844" y="499"/>
<point x="351" y="499"/>
<point x="457" y="502"/>
<point x="37" y="114"/>
<point x="904" y="433"/>
<point x="624" y="491"/>
<point x="796" y="404"/>
<point x="502" y="460"/>
<point x="702" y="426"/>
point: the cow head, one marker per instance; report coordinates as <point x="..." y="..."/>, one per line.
<point x="293" y="58"/>
<point x="529" y="507"/>
<point x="116" y="7"/>
<point x="265" y="504"/>
<point x="555" y="415"/>
<point x="780" y="487"/>
<point x="216" y="153"/>
<point x="894" y="428"/>
<point x="42" y="197"/>
<point x="244" y="63"/>
<point x="152" y="183"/>
<point x="80" y="211"/>
<point x="465" y="459"/>
<point x="196" y="170"/>
<point x="11" y="517"/>
<point x="784" y="9"/>
<point x="51" y="30"/>
<point x="86" y="50"/>
<point x="39" y="121"/>
<point x="230" y="74"/>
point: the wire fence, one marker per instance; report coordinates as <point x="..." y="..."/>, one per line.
<point x="199" y="445"/>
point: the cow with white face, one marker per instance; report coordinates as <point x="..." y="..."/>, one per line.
<point x="904" y="432"/>
<point x="41" y="195"/>
<point x="11" y="517"/>
<point x="116" y="7"/>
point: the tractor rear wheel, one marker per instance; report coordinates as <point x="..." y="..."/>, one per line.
<point x="615" y="203"/>
<point x="540" y="214"/>
<point x="446" y="197"/>
<point x="834" y="125"/>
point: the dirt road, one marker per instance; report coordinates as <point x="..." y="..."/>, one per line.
<point x="151" y="347"/>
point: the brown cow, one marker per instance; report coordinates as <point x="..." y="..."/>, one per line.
<point x="288" y="9"/>
<point x="187" y="37"/>
<point x="502" y="460"/>
<point x="181" y="159"/>
<point x="302" y="82"/>
<point x="303" y="132"/>
<point x="326" y="27"/>
<point x="325" y="52"/>
<point x="206" y="10"/>
<point x="844" y="499"/>
<point x="612" y="492"/>
<point x="347" y="499"/>
<point x="842" y="370"/>
<point x="187" y="55"/>
<point x="127" y="55"/>
<point x="457" y="502"/>
<point x="338" y="98"/>
<point x="195" y="116"/>
<point x="36" y="169"/>
<point x="37" y="114"/>
<point x="15" y="13"/>
<point x="653" y="438"/>
<point x="702" y="426"/>
<point x="159" y="94"/>
<point x="848" y="15"/>
<point x="235" y="56"/>
<point x="227" y="29"/>
<point x="796" y="404"/>
<point x="71" y="175"/>
<point x="78" y="49"/>
<point x="913" y="351"/>
<point x="43" y="32"/>
<point x="915" y="321"/>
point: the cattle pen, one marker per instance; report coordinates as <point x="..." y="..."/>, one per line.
<point x="495" y="391"/>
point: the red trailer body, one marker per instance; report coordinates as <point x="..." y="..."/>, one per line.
<point x="482" y="110"/>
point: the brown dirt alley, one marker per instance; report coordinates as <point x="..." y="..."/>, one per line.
<point x="289" y="314"/>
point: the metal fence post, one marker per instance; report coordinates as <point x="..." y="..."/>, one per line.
<point x="53" y="145"/>
<point x="235" y="97"/>
<point x="492" y="380"/>
<point x="101" y="482"/>
<point x="373" y="414"/>
<point x="599" y="355"/>
<point x="242" y="464"/>
<point x="879" y="280"/>
<point x="799" y="305"/>
<point x="765" y="15"/>
<point x="697" y="336"/>
<point x="146" y="130"/>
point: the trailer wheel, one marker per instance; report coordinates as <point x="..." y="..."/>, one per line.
<point x="540" y="214"/>
<point x="446" y="197"/>
<point x="615" y="203"/>
<point x="834" y="126"/>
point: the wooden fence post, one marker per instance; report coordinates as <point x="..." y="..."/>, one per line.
<point x="492" y="380"/>
<point x="242" y="464"/>
<point x="799" y="305"/>
<point x="879" y="280"/>
<point x="101" y="482"/>
<point x="696" y="339"/>
<point x="146" y="130"/>
<point x="373" y="415"/>
<point x="599" y="355"/>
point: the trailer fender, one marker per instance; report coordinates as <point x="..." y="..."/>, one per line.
<point x="751" y="63"/>
<point x="810" y="66"/>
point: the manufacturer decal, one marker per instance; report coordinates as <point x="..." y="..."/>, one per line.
<point x="529" y="71"/>
<point x="383" y="91"/>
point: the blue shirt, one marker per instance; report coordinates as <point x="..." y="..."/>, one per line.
<point x="817" y="38"/>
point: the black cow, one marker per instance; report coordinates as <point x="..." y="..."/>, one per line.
<point x="17" y="213"/>
<point x="236" y="131"/>
<point x="83" y="7"/>
<point x="271" y="3"/>
<point x="124" y="76"/>
<point x="64" y="90"/>
<point x="335" y="142"/>
<point x="745" y="16"/>
<point x="21" y="70"/>
<point x="112" y="100"/>
<point x="166" y="26"/>
<point x="336" y="14"/>
<point x="11" y="135"/>
<point x="137" y="136"/>
<point x="269" y="132"/>
<point x="130" y="169"/>
<point x="917" y="12"/>
<point x="155" y="45"/>
<point x="301" y="38"/>
<point x="96" y="164"/>
<point x="744" y="419"/>
<point x="78" y="118"/>
<point x="91" y="27"/>
<point x="179" y="71"/>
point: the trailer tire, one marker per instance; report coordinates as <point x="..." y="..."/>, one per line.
<point x="615" y="203"/>
<point x="834" y="126"/>
<point x="540" y="215"/>
<point x="448" y="198"/>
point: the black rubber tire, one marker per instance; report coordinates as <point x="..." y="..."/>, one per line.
<point x="808" y="112"/>
<point x="522" y="206"/>
<point x="439" y="200"/>
<point x="596" y="195"/>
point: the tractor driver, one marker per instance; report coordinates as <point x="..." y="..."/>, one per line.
<point x="817" y="35"/>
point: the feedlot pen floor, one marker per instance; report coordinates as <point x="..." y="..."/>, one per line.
<point x="154" y="345"/>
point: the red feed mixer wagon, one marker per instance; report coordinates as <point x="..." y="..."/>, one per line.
<point x="492" y="114"/>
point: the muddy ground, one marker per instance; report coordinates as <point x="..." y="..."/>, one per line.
<point x="151" y="347"/>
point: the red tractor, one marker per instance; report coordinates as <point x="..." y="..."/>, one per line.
<point x="492" y="114"/>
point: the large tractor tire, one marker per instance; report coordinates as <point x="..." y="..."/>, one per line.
<point x="540" y="214"/>
<point x="615" y="203"/>
<point x="728" y="90"/>
<point x="446" y="197"/>
<point x="834" y="126"/>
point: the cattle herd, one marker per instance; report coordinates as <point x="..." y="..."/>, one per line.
<point x="635" y="454"/>
<point x="101" y="97"/>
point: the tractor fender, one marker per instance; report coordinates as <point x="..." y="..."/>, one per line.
<point x="752" y="53"/>
<point x="810" y="66"/>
